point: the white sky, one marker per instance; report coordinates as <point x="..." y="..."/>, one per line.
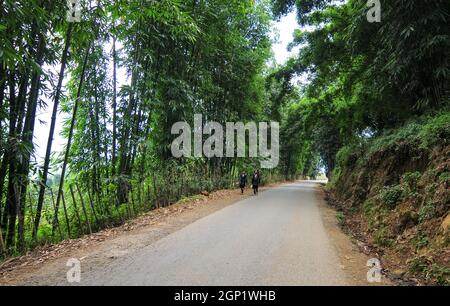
<point x="285" y="31"/>
<point x="282" y="31"/>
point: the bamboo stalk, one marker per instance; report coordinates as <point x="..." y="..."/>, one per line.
<point x="2" y="244"/>
<point x="118" y="210"/>
<point x="97" y="220"/>
<point x="56" y="223"/>
<point x="31" y="209"/>
<point x="66" y="215"/>
<point x="74" y="203"/>
<point x="132" y="201"/>
<point x="84" y="209"/>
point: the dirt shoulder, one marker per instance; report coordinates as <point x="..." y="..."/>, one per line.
<point x="352" y="255"/>
<point x="47" y="265"/>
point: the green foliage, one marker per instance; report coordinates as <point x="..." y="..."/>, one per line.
<point x="345" y="156"/>
<point x="439" y="274"/>
<point x="366" y="80"/>
<point x="346" y="160"/>
<point x="392" y="138"/>
<point x="375" y="215"/>
<point x="134" y="68"/>
<point x="137" y="67"/>
<point x="427" y="211"/>
<point x="381" y="240"/>
<point x="391" y="195"/>
<point x="435" y="273"/>
<point x="421" y="240"/>
<point x="376" y="223"/>
<point x="444" y="177"/>
<point x="352" y="158"/>
<point x="411" y="179"/>
<point x="424" y="132"/>
<point x="418" y="264"/>
<point x="436" y="130"/>
<point x="340" y="217"/>
<point x="376" y="95"/>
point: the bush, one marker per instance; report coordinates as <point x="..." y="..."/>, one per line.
<point x="392" y="138"/>
<point x="411" y="179"/>
<point x="390" y="196"/>
<point x="439" y="275"/>
<point x="444" y="177"/>
<point x="418" y="265"/>
<point x="427" y="211"/>
<point x="425" y="132"/>
<point x="421" y="240"/>
<point x="435" y="130"/>
<point x="346" y="158"/>
<point x="375" y="216"/>
<point x="381" y="240"/>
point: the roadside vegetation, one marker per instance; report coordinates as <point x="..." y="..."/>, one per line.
<point x="117" y="81"/>
<point x="394" y="191"/>
<point x="366" y="103"/>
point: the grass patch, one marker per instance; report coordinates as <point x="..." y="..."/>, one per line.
<point x="191" y="199"/>
<point x="440" y="275"/>
<point x="421" y="240"/>
<point x="434" y="273"/>
<point x="418" y="265"/>
<point x="340" y="218"/>
<point x="381" y="239"/>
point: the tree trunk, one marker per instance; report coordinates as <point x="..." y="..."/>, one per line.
<point x="43" y="180"/>
<point x="125" y="148"/>
<point x="114" y="132"/>
<point x="27" y="139"/>
<point x="16" y="115"/>
<point x="69" y="140"/>
<point x="7" y="157"/>
<point x="2" y="96"/>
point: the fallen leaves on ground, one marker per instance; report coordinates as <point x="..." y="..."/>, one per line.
<point x="52" y="251"/>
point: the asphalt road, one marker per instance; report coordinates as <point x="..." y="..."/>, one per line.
<point x="275" y="238"/>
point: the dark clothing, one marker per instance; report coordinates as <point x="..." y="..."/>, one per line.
<point x="255" y="189"/>
<point x="242" y="182"/>
<point x="256" y="181"/>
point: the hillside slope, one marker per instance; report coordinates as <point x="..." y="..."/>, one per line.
<point x="394" y="193"/>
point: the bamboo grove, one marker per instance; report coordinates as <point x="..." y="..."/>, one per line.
<point x="117" y="81"/>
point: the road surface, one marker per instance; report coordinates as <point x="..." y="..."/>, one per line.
<point x="275" y="238"/>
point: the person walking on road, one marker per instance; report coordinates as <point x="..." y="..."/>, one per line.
<point x="242" y="181"/>
<point x="256" y="180"/>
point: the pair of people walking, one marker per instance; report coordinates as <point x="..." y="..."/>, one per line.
<point x="256" y="181"/>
